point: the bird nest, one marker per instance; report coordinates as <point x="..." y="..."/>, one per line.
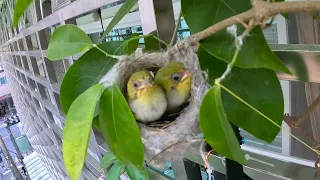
<point x="166" y="139"/>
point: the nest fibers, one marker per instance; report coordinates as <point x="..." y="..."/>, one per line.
<point x="170" y="143"/>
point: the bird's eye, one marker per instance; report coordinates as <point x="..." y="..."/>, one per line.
<point x="135" y="84"/>
<point x="176" y="77"/>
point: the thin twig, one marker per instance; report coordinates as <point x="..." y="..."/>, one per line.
<point x="260" y="10"/>
<point x="174" y="35"/>
<point x="308" y="111"/>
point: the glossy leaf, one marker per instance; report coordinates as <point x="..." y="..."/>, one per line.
<point x="107" y="160"/>
<point x="85" y="72"/>
<point x="221" y="44"/>
<point x="125" y="8"/>
<point x="216" y="127"/>
<point x="91" y="67"/>
<point x="19" y="9"/>
<point x="67" y="40"/>
<point x="77" y="128"/>
<point x="115" y="171"/>
<point x="259" y="87"/>
<point x="137" y="173"/>
<point x="119" y="127"/>
<point x="127" y="46"/>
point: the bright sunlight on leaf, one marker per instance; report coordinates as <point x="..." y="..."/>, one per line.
<point x="119" y="127"/>
<point x="77" y="130"/>
<point x="19" y="9"/>
<point x="221" y="44"/>
<point x="216" y="128"/>
<point x="67" y="40"/>
<point x="125" y="8"/>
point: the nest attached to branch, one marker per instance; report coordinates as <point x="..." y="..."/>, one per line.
<point x="170" y="141"/>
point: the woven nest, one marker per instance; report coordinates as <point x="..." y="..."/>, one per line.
<point x="166" y="139"/>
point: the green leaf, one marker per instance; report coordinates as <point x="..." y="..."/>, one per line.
<point x="107" y="160"/>
<point x="85" y="72"/>
<point x="259" y="87"/>
<point x="151" y="43"/>
<point x="19" y="9"/>
<point x="91" y="67"/>
<point x="296" y="62"/>
<point x="67" y="40"/>
<point x="77" y="130"/>
<point x="221" y="44"/>
<point x="216" y="128"/>
<point x="119" y="127"/>
<point x="125" y="8"/>
<point x="137" y="173"/>
<point x="127" y="46"/>
<point x="96" y="122"/>
<point x="115" y="171"/>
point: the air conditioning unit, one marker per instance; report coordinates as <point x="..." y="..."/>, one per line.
<point x="58" y="4"/>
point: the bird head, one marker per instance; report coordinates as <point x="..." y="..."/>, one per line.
<point x="173" y="76"/>
<point x="140" y="84"/>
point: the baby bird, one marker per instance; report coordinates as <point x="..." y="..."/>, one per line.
<point x="146" y="99"/>
<point x="175" y="80"/>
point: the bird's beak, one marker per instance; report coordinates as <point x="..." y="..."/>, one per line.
<point x="185" y="74"/>
<point x="145" y="84"/>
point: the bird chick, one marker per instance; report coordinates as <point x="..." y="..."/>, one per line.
<point x="146" y="99"/>
<point x="175" y="80"/>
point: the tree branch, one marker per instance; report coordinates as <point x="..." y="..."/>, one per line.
<point x="260" y="11"/>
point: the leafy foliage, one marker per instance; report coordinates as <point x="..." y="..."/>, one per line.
<point x="115" y="171"/>
<point x="119" y="127"/>
<point x="259" y="87"/>
<point x="221" y="44"/>
<point x="77" y="130"/>
<point x="91" y="67"/>
<point x="107" y="160"/>
<point x="137" y="172"/>
<point x="66" y="41"/>
<point x="19" y="9"/>
<point x="125" y="8"/>
<point x="216" y="127"/>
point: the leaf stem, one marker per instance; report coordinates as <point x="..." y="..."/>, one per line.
<point x="229" y="68"/>
<point x="263" y="115"/>
<point x="174" y="35"/>
<point x="108" y="55"/>
<point x="160" y="40"/>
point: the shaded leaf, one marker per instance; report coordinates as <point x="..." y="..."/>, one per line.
<point x="137" y="173"/>
<point x="107" y="160"/>
<point x="19" y="9"/>
<point x="127" y="46"/>
<point x="151" y="43"/>
<point x="216" y="127"/>
<point x="85" y="72"/>
<point x="221" y="44"/>
<point x="125" y="8"/>
<point x="77" y="130"/>
<point x="96" y="122"/>
<point x="67" y="40"/>
<point x="115" y="171"/>
<point x="297" y="63"/>
<point x="259" y="87"/>
<point x="119" y="127"/>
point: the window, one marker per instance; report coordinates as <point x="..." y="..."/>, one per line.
<point x="3" y="80"/>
